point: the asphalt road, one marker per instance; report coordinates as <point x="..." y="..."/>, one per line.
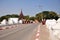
<point x="21" y="32"/>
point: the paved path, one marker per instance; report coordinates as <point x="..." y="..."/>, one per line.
<point x="44" y="33"/>
<point x="24" y="33"/>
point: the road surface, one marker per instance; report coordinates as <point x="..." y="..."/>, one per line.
<point x="22" y="32"/>
<point x="26" y="32"/>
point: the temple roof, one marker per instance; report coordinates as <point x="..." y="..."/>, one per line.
<point x="21" y="16"/>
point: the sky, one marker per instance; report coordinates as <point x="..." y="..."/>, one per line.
<point x="28" y="7"/>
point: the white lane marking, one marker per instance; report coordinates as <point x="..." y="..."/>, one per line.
<point x="38" y="31"/>
<point x="36" y="39"/>
<point x="37" y="34"/>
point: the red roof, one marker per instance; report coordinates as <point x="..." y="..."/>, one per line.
<point x="21" y="16"/>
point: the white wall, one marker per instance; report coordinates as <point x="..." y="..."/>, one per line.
<point x="12" y="20"/>
<point x="54" y="27"/>
<point x="4" y="22"/>
<point x="50" y="23"/>
<point x="56" y="30"/>
<point x="20" y="21"/>
<point x="58" y="21"/>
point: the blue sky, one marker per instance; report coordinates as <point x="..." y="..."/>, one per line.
<point x="29" y="7"/>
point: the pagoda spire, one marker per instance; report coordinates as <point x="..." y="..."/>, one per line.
<point x="21" y="16"/>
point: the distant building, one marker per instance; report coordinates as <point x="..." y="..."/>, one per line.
<point x="21" y="20"/>
<point x="21" y="16"/>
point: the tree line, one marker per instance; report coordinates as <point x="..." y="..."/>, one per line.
<point x="39" y="16"/>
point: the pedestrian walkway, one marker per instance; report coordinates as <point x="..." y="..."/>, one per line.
<point x="41" y="33"/>
<point x="44" y="33"/>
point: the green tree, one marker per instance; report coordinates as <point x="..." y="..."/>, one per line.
<point x="8" y="16"/>
<point x="53" y="15"/>
<point x="32" y="18"/>
<point x="46" y="15"/>
<point x="26" y="17"/>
